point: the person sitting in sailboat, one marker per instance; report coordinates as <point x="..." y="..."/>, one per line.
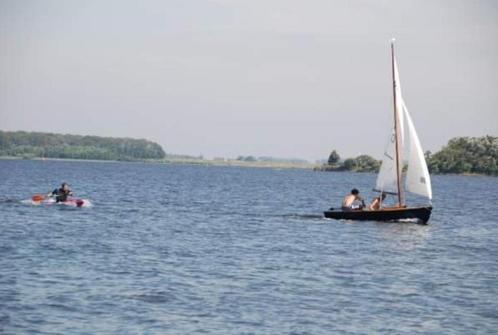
<point x="377" y="202"/>
<point x="353" y="201"/>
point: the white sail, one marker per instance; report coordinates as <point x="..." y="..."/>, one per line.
<point x="399" y="103"/>
<point x="387" y="177"/>
<point x="417" y="177"/>
<point x="417" y="180"/>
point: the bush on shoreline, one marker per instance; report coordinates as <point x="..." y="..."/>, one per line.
<point x="469" y="155"/>
<point x="473" y="155"/>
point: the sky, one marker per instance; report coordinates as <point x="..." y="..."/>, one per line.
<point x="224" y="78"/>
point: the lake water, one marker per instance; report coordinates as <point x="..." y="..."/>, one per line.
<point x="170" y="249"/>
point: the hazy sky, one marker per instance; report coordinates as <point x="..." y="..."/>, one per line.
<point x="245" y="77"/>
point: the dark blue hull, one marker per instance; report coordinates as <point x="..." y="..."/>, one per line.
<point x="420" y="214"/>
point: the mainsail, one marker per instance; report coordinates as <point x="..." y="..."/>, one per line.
<point x="399" y="103"/>
<point x="410" y="151"/>
<point x="387" y="177"/>
<point x="387" y="180"/>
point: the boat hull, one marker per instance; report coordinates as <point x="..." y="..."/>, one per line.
<point x="72" y="202"/>
<point x="420" y="214"/>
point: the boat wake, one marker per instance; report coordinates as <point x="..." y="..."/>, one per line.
<point x="8" y="201"/>
<point x="411" y="220"/>
<point x="286" y="216"/>
<point x="302" y="216"/>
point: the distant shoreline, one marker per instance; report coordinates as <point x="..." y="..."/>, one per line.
<point x="219" y="163"/>
<point x="200" y="162"/>
<point x="461" y="156"/>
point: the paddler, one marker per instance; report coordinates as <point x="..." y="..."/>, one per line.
<point x="62" y="193"/>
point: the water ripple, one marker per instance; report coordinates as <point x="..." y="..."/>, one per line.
<point x="187" y="249"/>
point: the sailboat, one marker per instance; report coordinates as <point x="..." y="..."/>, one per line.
<point x="403" y="146"/>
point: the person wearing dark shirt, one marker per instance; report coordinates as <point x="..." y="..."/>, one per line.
<point x="61" y="194"/>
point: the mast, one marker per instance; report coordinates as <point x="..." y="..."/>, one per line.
<point x="396" y="130"/>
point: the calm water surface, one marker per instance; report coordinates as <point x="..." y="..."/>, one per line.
<point x="217" y="250"/>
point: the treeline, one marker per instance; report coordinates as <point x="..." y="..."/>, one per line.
<point x="47" y="145"/>
<point x="466" y="155"/>
<point x="362" y="163"/>
<point x="477" y="155"/>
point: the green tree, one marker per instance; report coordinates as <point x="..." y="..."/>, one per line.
<point x="334" y="158"/>
<point x="365" y="163"/>
<point x="349" y="164"/>
<point x="250" y="159"/>
<point x="466" y="155"/>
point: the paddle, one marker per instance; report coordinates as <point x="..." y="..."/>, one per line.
<point x="41" y="197"/>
